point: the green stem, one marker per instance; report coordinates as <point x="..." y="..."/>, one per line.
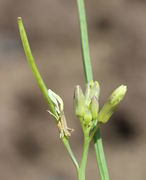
<point x="68" y="148"/>
<point x="94" y="131"/>
<point x="41" y="83"/>
<point x="33" y="66"/>
<point x="98" y="146"/>
<point x="84" y="41"/>
<point x="82" y="169"/>
<point x="88" y="77"/>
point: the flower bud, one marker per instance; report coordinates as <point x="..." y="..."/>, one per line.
<point x="87" y="117"/>
<point x="118" y="95"/>
<point x="95" y="90"/>
<point x="79" y="102"/>
<point x="92" y="89"/>
<point x="112" y="103"/>
<point x="94" y="107"/>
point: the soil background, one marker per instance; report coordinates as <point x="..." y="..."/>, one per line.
<point x="30" y="148"/>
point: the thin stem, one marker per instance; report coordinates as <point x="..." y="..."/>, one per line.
<point x="98" y="146"/>
<point x="33" y="66"/>
<point x="68" y="148"/>
<point x="84" y="41"/>
<point x="88" y="77"/>
<point x="82" y="170"/>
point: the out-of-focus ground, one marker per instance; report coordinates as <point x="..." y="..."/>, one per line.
<point x="29" y="141"/>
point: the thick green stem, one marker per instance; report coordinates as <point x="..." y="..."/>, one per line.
<point x="88" y="77"/>
<point x="82" y="169"/>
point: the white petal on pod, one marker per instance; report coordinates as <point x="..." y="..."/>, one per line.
<point x="56" y="99"/>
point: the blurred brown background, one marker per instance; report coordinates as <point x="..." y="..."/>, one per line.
<point x="30" y="148"/>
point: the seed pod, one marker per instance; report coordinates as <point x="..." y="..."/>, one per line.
<point x="112" y="103"/>
<point x="79" y="102"/>
<point x="94" y="107"/>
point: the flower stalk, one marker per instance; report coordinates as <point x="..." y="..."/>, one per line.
<point x="82" y="168"/>
<point x="88" y="77"/>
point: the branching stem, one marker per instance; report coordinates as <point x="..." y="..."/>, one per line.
<point x="88" y="77"/>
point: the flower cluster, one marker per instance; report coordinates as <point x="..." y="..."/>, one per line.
<point x="87" y="106"/>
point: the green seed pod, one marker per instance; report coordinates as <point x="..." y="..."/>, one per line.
<point x="112" y="103"/>
<point x="94" y="107"/>
<point x="79" y="102"/>
<point x="87" y="117"/>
